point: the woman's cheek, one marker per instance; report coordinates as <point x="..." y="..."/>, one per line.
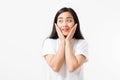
<point x="59" y="25"/>
<point x="72" y="26"/>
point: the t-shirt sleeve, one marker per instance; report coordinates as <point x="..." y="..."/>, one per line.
<point x="48" y="47"/>
<point x="82" y="48"/>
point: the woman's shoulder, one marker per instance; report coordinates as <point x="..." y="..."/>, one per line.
<point x="49" y="40"/>
<point x="80" y="41"/>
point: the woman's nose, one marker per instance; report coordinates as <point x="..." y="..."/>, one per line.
<point x="64" y="24"/>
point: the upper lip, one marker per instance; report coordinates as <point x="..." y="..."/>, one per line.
<point x="65" y="29"/>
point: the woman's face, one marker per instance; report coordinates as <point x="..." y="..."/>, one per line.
<point x="65" y="22"/>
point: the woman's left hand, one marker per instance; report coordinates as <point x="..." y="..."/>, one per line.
<point x="71" y="33"/>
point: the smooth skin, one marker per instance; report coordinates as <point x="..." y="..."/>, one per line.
<point x="65" y="28"/>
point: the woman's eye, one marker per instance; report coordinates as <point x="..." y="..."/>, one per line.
<point x="60" y="21"/>
<point x="69" y="21"/>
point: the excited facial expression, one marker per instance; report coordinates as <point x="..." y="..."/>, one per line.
<point x="65" y="22"/>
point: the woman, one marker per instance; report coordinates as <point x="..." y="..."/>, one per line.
<point x="65" y="50"/>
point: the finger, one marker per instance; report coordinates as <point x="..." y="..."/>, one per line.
<point x="75" y="25"/>
<point x="73" y="30"/>
<point x="55" y="25"/>
<point x="57" y="28"/>
<point x="60" y="35"/>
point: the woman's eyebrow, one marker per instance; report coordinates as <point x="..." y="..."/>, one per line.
<point x="60" y="17"/>
<point x="69" y="17"/>
<point x="66" y="17"/>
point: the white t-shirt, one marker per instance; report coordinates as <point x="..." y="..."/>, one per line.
<point x="79" y="46"/>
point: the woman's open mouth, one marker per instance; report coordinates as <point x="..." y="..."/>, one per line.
<point x="65" y="30"/>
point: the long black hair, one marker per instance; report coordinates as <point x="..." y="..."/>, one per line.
<point x="78" y="34"/>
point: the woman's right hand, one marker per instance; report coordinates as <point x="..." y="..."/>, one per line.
<point x="60" y="35"/>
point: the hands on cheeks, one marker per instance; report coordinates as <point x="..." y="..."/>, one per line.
<point x="71" y="33"/>
<point x="69" y="36"/>
<point x="60" y="35"/>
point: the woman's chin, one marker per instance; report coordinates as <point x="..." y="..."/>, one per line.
<point x="65" y="35"/>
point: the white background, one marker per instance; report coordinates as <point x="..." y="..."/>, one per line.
<point x="25" y="23"/>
